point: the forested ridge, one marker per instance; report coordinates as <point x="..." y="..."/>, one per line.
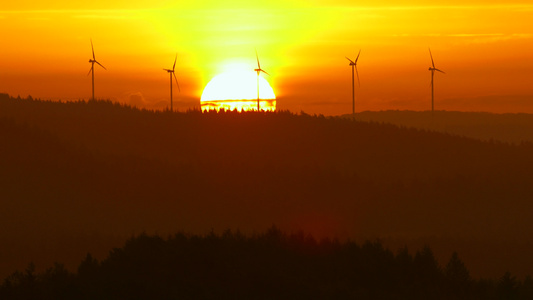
<point x="267" y="265"/>
<point x="82" y="176"/>
<point x="514" y="128"/>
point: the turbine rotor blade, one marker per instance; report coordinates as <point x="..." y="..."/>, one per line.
<point x="176" y="81"/>
<point x="92" y="47"/>
<point x="440" y="71"/>
<point x="264" y="72"/>
<point x="175" y="59"/>
<point x="90" y="70"/>
<point x="350" y="60"/>
<point x="257" y="56"/>
<point x="358" y="56"/>
<point x="432" y="62"/>
<point x="101" y="65"/>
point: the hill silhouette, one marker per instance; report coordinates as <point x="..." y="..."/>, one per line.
<point x="267" y="265"/>
<point x="84" y="176"/>
<point x="513" y="128"/>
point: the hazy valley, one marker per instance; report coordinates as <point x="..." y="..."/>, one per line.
<point x="83" y="177"/>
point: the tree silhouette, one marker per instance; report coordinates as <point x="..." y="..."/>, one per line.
<point x="271" y="264"/>
<point x="508" y="287"/>
<point x="457" y="276"/>
<point x="526" y="289"/>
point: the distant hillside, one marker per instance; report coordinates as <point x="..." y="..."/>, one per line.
<point x="511" y="128"/>
<point x="84" y="176"/>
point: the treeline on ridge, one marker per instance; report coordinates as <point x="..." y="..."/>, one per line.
<point x="514" y="128"/>
<point x="268" y="265"/>
<point x="252" y="138"/>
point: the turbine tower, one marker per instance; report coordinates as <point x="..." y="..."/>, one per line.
<point x="93" y="61"/>
<point x="433" y="69"/>
<point x="258" y="70"/>
<point x="171" y="72"/>
<point x="354" y="66"/>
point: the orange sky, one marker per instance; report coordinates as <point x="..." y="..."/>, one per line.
<point x="485" y="48"/>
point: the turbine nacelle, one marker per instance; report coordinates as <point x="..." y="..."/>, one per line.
<point x="92" y="62"/>
<point x="353" y="64"/>
<point x="172" y="73"/>
<point x="260" y="70"/>
<point x="435" y="69"/>
<point x="433" y="63"/>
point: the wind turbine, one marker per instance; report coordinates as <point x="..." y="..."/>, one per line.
<point x="258" y="70"/>
<point x="354" y="66"/>
<point x="433" y="69"/>
<point x="93" y="61"/>
<point x="171" y="72"/>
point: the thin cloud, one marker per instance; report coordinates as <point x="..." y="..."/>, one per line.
<point x="76" y="14"/>
<point x="38" y="19"/>
<point x="482" y="38"/>
<point x="102" y="16"/>
<point x="476" y="35"/>
<point x="475" y="38"/>
<point x="522" y="35"/>
<point x="519" y="7"/>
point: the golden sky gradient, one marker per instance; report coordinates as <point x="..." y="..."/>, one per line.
<point x="485" y="48"/>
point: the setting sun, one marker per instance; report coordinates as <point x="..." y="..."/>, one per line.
<point x="238" y="90"/>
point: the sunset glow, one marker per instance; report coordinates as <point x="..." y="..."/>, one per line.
<point x="238" y="90"/>
<point x="263" y="149"/>
<point x="485" y="49"/>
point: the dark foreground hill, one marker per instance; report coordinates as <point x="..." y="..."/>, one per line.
<point x="83" y="176"/>
<point x="270" y="265"/>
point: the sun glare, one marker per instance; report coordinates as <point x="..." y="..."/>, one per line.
<point x="238" y="90"/>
